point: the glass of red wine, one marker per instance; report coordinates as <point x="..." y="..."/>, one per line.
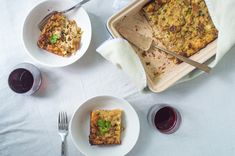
<point x="25" y="78"/>
<point x="164" y="118"/>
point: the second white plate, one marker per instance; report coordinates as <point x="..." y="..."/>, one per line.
<point x="79" y="127"/>
<point x="31" y="32"/>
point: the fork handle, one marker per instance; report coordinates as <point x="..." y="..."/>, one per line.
<point x="76" y="6"/>
<point x="63" y="148"/>
<point x="200" y="66"/>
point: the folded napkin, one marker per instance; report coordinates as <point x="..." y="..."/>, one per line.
<point x="119" y="4"/>
<point x="222" y="14"/>
<point x="120" y="53"/>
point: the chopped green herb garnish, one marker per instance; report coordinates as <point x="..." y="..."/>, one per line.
<point x="103" y="130"/>
<point x="54" y="38"/>
<point x="104" y="126"/>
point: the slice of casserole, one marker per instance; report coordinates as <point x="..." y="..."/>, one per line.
<point x="182" y="26"/>
<point x="60" y="36"/>
<point x="105" y="127"/>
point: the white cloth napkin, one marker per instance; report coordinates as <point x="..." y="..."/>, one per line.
<point x="121" y="54"/>
<point x="119" y="4"/>
<point x="223" y="15"/>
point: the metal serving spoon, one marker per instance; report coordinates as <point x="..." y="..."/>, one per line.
<point x="145" y="43"/>
<point x="43" y="22"/>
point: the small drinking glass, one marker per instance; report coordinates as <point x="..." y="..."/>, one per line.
<point x="164" y="118"/>
<point x="25" y="79"/>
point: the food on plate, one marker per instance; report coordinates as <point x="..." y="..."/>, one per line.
<point x="183" y="26"/>
<point x="105" y="127"/>
<point x="60" y="36"/>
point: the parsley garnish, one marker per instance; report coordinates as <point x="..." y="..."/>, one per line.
<point x="54" y="38"/>
<point x="104" y="126"/>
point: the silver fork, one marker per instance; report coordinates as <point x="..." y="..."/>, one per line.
<point x="63" y="129"/>
<point x="43" y="22"/>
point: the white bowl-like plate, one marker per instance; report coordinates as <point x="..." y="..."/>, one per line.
<point x="31" y="32"/>
<point x="79" y="127"/>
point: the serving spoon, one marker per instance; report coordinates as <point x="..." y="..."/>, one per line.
<point x="145" y="43"/>
<point x="43" y="22"/>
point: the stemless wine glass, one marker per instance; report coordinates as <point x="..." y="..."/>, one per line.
<point x="25" y="79"/>
<point x="164" y="118"/>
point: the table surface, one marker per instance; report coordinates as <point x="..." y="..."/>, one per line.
<point x="28" y="124"/>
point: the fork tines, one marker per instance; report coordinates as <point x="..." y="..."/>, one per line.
<point x="63" y="121"/>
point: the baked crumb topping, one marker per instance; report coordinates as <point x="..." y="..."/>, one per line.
<point x="60" y="36"/>
<point x="183" y="26"/>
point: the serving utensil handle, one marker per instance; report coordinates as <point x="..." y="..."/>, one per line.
<point x="198" y="65"/>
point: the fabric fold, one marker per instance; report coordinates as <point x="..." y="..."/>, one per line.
<point x="120" y="53"/>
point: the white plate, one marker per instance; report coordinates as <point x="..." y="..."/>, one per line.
<point x="79" y="127"/>
<point x="31" y="32"/>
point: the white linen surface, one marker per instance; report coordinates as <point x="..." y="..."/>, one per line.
<point x="223" y="16"/>
<point x="28" y="124"/>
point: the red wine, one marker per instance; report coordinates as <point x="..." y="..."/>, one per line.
<point x="20" y="80"/>
<point x="165" y="119"/>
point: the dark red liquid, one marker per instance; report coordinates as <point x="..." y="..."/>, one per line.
<point x="165" y="119"/>
<point x="20" y="80"/>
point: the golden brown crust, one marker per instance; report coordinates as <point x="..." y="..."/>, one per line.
<point x="67" y="36"/>
<point x="183" y="26"/>
<point x="113" y="135"/>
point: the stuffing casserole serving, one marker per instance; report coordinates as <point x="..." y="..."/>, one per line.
<point x="60" y="36"/>
<point x="183" y="26"/>
<point x="105" y="127"/>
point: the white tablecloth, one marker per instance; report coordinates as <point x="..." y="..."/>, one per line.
<point x="28" y="124"/>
